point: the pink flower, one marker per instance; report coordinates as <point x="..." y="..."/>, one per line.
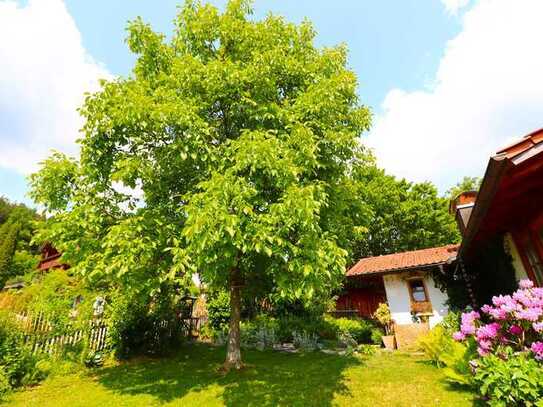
<point x="538" y="326"/>
<point x="468" y="322"/>
<point x="516" y="330"/>
<point x="500" y="300"/>
<point x="498" y="313"/>
<point x="529" y="314"/>
<point x="489" y="331"/>
<point x="537" y="349"/>
<point x="459" y="336"/>
<point x="538" y="292"/>
<point x="509" y="304"/>
<point x="482" y="352"/>
<point x="525" y="284"/>
<point x="486" y="308"/>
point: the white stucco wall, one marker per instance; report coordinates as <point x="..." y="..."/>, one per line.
<point x="511" y="248"/>
<point x="397" y="292"/>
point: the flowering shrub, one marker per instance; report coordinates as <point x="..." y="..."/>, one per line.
<point x="508" y="336"/>
<point x="515" y="321"/>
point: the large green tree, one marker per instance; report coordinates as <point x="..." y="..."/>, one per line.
<point x="398" y="215"/>
<point x="226" y="152"/>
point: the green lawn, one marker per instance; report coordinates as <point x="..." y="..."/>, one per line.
<point x="314" y="379"/>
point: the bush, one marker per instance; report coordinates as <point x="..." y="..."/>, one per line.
<point x="514" y="381"/>
<point x="360" y="330"/>
<point x="4" y="384"/>
<point x="454" y="357"/>
<point x="143" y="325"/>
<point x="377" y="336"/>
<point x="18" y="366"/>
<point x="218" y="310"/>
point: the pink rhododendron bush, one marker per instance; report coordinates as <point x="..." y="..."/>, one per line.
<point x="515" y="321"/>
<point x="508" y="336"/>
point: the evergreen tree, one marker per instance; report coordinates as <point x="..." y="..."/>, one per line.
<point x="7" y="250"/>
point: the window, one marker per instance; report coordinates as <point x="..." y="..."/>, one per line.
<point x="535" y="262"/>
<point x="417" y="290"/>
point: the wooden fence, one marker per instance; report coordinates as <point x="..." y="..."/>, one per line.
<point x="41" y="338"/>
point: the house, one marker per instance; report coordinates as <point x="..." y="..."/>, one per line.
<point x="507" y="208"/>
<point x="50" y="259"/>
<point x="404" y="280"/>
<point x="502" y="242"/>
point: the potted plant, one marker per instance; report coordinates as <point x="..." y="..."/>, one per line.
<point x="382" y="314"/>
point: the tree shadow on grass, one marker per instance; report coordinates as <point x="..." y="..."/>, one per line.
<point x="273" y="378"/>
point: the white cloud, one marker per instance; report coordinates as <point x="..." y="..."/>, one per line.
<point x="454" y="6"/>
<point x="44" y="72"/>
<point x="487" y="92"/>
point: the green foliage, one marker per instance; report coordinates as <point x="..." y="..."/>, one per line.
<point x="7" y="250"/>
<point x="465" y="185"/>
<point x="366" y="349"/>
<point x="218" y="310"/>
<point x="362" y="331"/>
<point x="18" y="366"/>
<point x="452" y="356"/>
<point x="305" y="341"/>
<point x="54" y="185"/>
<point x="52" y="295"/>
<point x="384" y="317"/>
<point x="142" y="325"/>
<point x="17" y="224"/>
<point x="238" y="133"/>
<point x="457" y="362"/>
<point x="260" y="333"/>
<point x="398" y="215"/>
<point x="4" y="384"/>
<point x="23" y="264"/>
<point x="377" y="336"/>
<point x="513" y="381"/>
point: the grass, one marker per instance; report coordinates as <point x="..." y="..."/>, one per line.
<point x="190" y="378"/>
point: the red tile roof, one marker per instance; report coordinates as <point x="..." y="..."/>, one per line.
<point x="403" y="261"/>
<point x="526" y="143"/>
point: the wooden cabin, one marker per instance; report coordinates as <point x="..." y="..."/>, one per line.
<point x="404" y="280"/>
<point x="50" y="259"/>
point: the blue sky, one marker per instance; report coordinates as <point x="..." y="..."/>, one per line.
<point x="392" y="43"/>
<point x="449" y="81"/>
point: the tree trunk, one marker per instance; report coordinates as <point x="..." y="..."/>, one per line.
<point x="233" y="350"/>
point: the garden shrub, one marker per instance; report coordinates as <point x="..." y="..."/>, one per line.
<point x="360" y="330"/>
<point x="218" y="310"/>
<point x="508" y="336"/>
<point x="142" y="325"/>
<point x="260" y="333"/>
<point x="446" y="353"/>
<point x="512" y="381"/>
<point x="377" y="336"/>
<point x="18" y="366"/>
<point x="4" y="384"/>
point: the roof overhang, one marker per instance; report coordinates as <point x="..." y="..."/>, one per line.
<point x="513" y="173"/>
